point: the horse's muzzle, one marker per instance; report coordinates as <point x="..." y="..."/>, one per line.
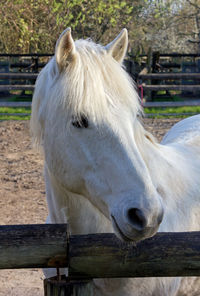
<point x="136" y="224"/>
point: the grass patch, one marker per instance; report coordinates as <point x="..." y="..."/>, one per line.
<point x="184" y="109"/>
<point x="14" y="117"/>
<point x="176" y="111"/>
<point x="8" y="113"/>
<point x="15" y="110"/>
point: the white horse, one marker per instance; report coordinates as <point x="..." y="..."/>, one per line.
<point x="104" y="172"/>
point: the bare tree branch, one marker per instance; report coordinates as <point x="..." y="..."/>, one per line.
<point x="193" y="4"/>
<point x="194" y="41"/>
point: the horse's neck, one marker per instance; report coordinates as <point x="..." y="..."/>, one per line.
<point x="176" y="178"/>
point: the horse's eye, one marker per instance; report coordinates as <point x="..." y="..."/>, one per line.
<point x="81" y="122"/>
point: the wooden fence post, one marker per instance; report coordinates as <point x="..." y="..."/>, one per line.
<point x="64" y="287"/>
<point x="155" y="61"/>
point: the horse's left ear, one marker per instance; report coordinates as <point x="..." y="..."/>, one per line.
<point x="118" y="47"/>
<point x="65" y="49"/>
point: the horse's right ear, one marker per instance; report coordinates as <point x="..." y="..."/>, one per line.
<point x="65" y="49"/>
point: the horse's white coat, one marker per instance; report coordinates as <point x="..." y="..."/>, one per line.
<point x="96" y="176"/>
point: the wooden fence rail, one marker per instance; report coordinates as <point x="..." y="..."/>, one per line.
<point x="16" y="87"/>
<point x="171" y="87"/>
<point x="15" y="104"/>
<point x="18" y="76"/>
<point x="99" y="255"/>
<point x="171" y="104"/>
<point x="145" y="104"/>
<point x="170" y="76"/>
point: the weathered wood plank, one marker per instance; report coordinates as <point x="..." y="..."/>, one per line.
<point x="104" y="256"/>
<point x="146" y="104"/>
<point x="25" y="246"/>
<point x="99" y="255"/>
<point x="37" y="55"/>
<point x="171" y="87"/>
<point x="15" y="114"/>
<point x="16" y="87"/>
<point x="31" y="65"/>
<point x="176" y="55"/>
<point x="15" y="104"/>
<point x="170" y="76"/>
<point x="172" y="104"/>
<point x="18" y="75"/>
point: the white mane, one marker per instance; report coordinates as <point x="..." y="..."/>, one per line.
<point x="95" y="81"/>
<point x="93" y="84"/>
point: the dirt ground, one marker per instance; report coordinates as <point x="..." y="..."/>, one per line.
<point x="22" y="194"/>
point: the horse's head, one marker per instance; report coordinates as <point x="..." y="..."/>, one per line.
<point x="84" y="112"/>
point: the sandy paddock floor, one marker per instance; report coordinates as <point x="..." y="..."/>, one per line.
<point x="22" y="194"/>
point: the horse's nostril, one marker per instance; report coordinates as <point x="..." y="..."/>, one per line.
<point x="136" y="218"/>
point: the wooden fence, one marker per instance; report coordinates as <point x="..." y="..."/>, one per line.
<point x="24" y="62"/>
<point x="18" y="72"/>
<point x="168" y="76"/>
<point x="153" y="64"/>
<point x="50" y="245"/>
<point x="27" y="78"/>
<point x="149" y="82"/>
<point x="98" y="255"/>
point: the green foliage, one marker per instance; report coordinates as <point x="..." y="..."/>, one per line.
<point x="29" y="26"/>
<point x="33" y="26"/>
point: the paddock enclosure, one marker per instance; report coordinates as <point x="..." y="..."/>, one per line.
<point x="22" y="193"/>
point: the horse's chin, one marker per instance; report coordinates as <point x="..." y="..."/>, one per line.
<point x="137" y="237"/>
<point x="118" y="231"/>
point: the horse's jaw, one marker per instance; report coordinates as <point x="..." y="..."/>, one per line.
<point x="84" y="218"/>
